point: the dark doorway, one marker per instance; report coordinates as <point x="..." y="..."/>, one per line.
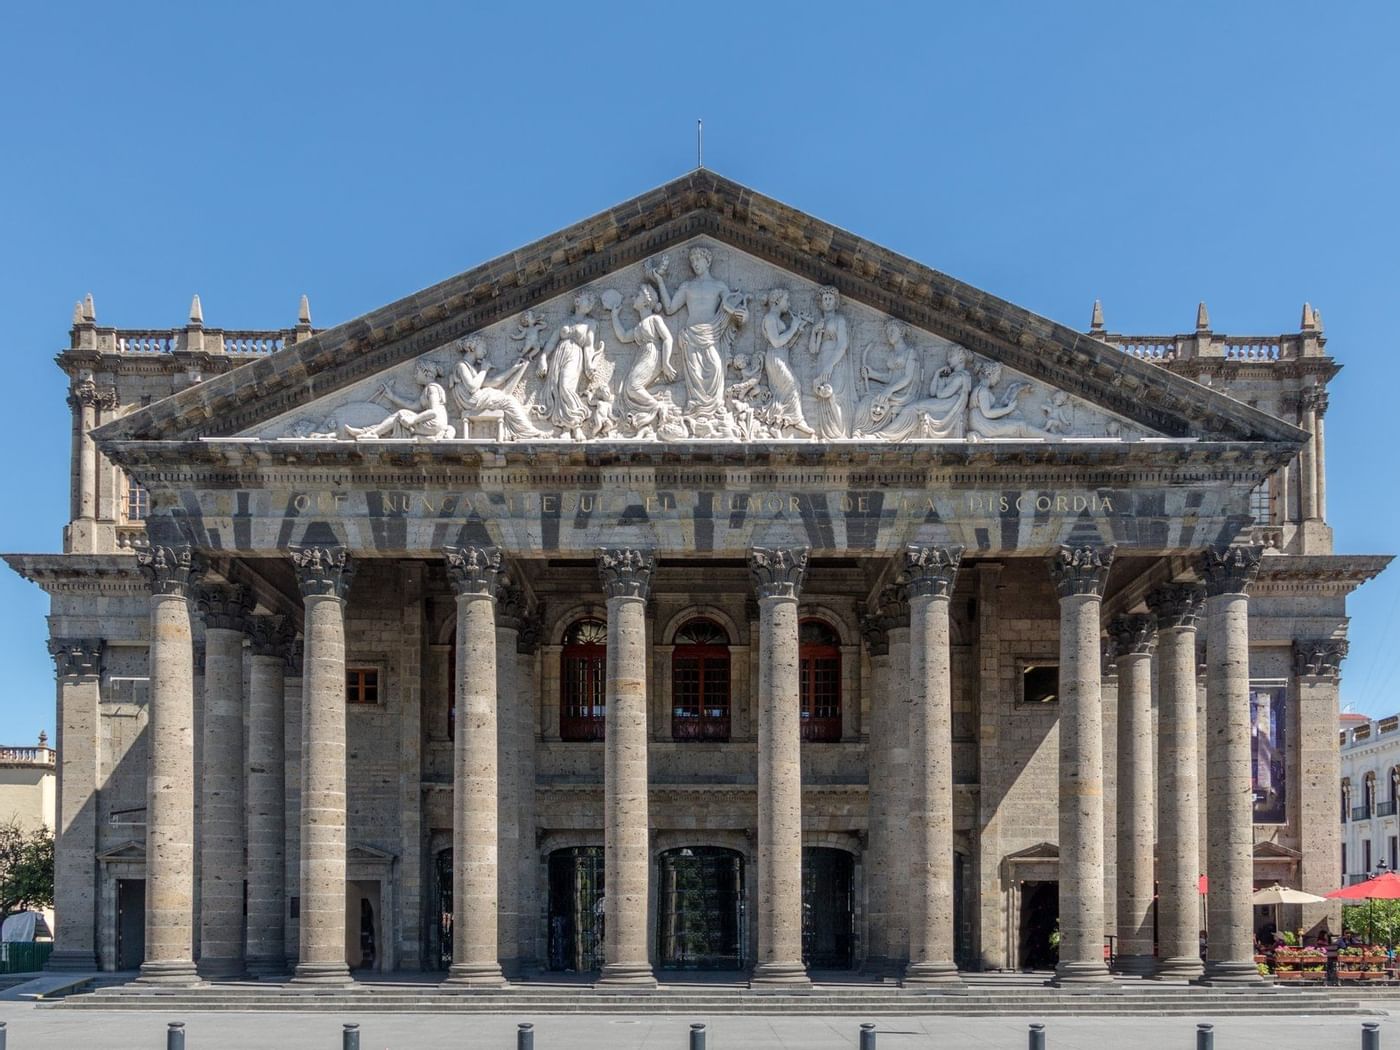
<point x="443" y="869"/>
<point x="1040" y="912"/>
<point x="828" y="908"/>
<point x="131" y="923"/>
<point x="962" y="924"/>
<point x="576" y="909"/>
<point x="700" y="921"/>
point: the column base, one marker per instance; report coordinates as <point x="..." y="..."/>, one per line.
<point x="1235" y="972"/>
<point x="1068" y="974"/>
<point x="333" y="974"/>
<point x="71" y="960"/>
<point x="1135" y="965"/>
<point x="468" y="976"/>
<point x="937" y="976"/>
<point x="1179" y="968"/>
<point x="221" y="969"/>
<point x="780" y="977"/>
<point x="177" y="973"/>
<point x="267" y="966"/>
<point x="629" y="977"/>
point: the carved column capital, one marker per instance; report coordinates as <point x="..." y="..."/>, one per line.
<point x="894" y="605"/>
<point x="874" y="629"/>
<point x="1081" y="570"/>
<point x="225" y="606"/>
<point x="77" y="657"/>
<point x="171" y="568"/>
<point x="1313" y="399"/>
<point x="86" y="394"/>
<point x="931" y="570"/>
<point x="527" y="642"/>
<point x="1319" y="657"/>
<point x="1176" y="604"/>
<point x="1132" y="635"/>
<point x="271" y="636"/>
<point x="473" y="570"/>
<point x="512" y="605"/>
<point x="778" y="572"/>
<point x="322" y="571"/>
<point x="626" y="571"/>
<point x="1230" y="570"/>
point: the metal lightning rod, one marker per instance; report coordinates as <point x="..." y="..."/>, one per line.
<point x="699" y="143"/>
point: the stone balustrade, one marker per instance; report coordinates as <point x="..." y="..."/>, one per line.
<point x="143" y="341"/>
<point x="1244" y="349"/>
<point x="27" y="756"/>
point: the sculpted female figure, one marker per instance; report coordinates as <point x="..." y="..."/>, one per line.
<point x="992" y="416"/>
<point x="473" y="395"/>
<point x="829" y="344"/>
<point x="943" y="414"/>
<point x="900" y="383"/>
<point x="642" y="407"/>
<point x="786" y="408"/>
<point x="563" y="362"/>
<point x="713" y="313"/>
<point x="426" y="417"/>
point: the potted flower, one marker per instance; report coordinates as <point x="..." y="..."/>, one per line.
<point x="1351" y="963"/>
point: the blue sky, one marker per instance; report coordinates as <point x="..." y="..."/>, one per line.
<point x="1148" y="155"/>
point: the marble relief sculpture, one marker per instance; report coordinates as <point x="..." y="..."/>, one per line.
<point x="424" y="418"/>
<point x="785" y="408"/>
<point x="566" y="360"/>
<point x="829" y="344"/>
<point x="898" y="383"/>
<point x="999" y="416"/>
<point x="641" y="408"/>
<point x="943" y="414"/>
<point x="473" y="394"/>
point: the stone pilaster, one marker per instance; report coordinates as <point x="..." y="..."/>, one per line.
<point x="881" y="847"/>
<point x="511" y="607"/>
<point x="265" y="950"/>
<point x="291" y="788"/>
<point x="527" y="733"/>
<point x="1228" y="572"/>
<point x="78" y="665"/>
<point x="929" y="574"/>
<point x="1317" y="666"/>
<point x="778" y="576"/>
<point x="173" y="570"/>
<point x="894" y="607"/>
<point x="225" y="609"/>
<point x="475" y="575"/>
<point x="85" y="399"/>
<point x="626" y="579"/>
<point x="323" y="575"/>
<point x="1132" y="639"/>
<point x="1080" y="575"/>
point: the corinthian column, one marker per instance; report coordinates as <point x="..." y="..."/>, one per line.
<point x="1080" y="574"/>
<point x="475" y="575"/>
<point x="173" y="571"/>
<point x="1230" y="816"/>
<point x="1176" y="607"/>
<point x="777" y="576"/>
<point x="225" y="608"/>
<point x="78" y="663"/>
<point x="323" y="574"/>
<point x="929" y="573"/>
<point x="1132" y="639"/>
<point x="271" y="637"/>
<point x="626" y="576"/>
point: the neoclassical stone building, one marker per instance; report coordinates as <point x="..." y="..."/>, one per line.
<point x="701" y="586"/>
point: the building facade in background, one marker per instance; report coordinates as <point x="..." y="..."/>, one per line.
<point x="700" y="587"/>
<point x="28" y="785"/>
<point x="1370" y="790"/>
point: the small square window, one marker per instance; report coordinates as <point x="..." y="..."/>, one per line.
<point x="362" y="685"/>
<point x="1040" y="683"/>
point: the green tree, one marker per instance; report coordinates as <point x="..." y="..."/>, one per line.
<point x="26" y="868"/>
<point x="1378" y="920"/>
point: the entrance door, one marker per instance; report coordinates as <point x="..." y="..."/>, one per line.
<point x="576" y="909"/>
<point x="1040" y="912"/>
<point x="700" y="921"/>
<point x="828" y="908"/>
<point x="131" y="923"/>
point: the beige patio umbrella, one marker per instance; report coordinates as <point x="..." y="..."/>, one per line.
<point x="1277" y="894"/>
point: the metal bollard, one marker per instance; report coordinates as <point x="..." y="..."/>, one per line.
<point x="3" y="1035"/>
<point x="350" y="1038"/>
<point x="1036" y="1039"/>
<point x="1370" y="1036"/>
<point x="697" y="1037"/>
<point x="867" y="1037"/>
<point x="525" y="1036"/>
<point x="1205" y="1037"/>
<point x="175" y="1036"/>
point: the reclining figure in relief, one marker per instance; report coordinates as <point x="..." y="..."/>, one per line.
<point x="424" y="418"/>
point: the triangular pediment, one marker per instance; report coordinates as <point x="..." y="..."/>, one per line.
<point x="127" y="851"/>
<point x="899" y="352"/>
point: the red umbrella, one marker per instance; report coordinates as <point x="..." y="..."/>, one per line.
<point x="1385" y="886"/>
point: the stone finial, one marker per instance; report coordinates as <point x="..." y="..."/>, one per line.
<point x="225" y="606"/>
<point x="931" y="570"/>
<point x="78" y="313"/>
<point x="1133" y="635"/>
<point x="171" y="568"/>
<point x="322" y="571"/>
<point x="1309" y="321"/>
<point x="1230" y="570"/>
<point x="304" y="312"/>
<point x="77" y="657"/>
<point x="1096" y="319"/>
<point x="89" y="310"/>
<point x="1317" y="320"/>
<point x="1202" y="317"/>
<point x="473" y="570"/>
<point x="874" y="630"/>
<point x="43" y="738"/>
<point x="1319" y="657"/>
<point x="271" y="635"/>
<point x="778" y="572"/>
<point x="196" y="313"/>
<point x="1081" y="569"/>
<point x="626" y="571"/>
<point x="1176" y="604"/>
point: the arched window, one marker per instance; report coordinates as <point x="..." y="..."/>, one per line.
<point x="582" y="681"/>
<point x="700" y="682"/>
<point x="819" y="651"/>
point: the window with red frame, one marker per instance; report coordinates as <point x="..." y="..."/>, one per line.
<point x="819" y="655"/>
<point x="700" y="682"/>
<point x="362" y="685"/>
<point x="583" y="665"/>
